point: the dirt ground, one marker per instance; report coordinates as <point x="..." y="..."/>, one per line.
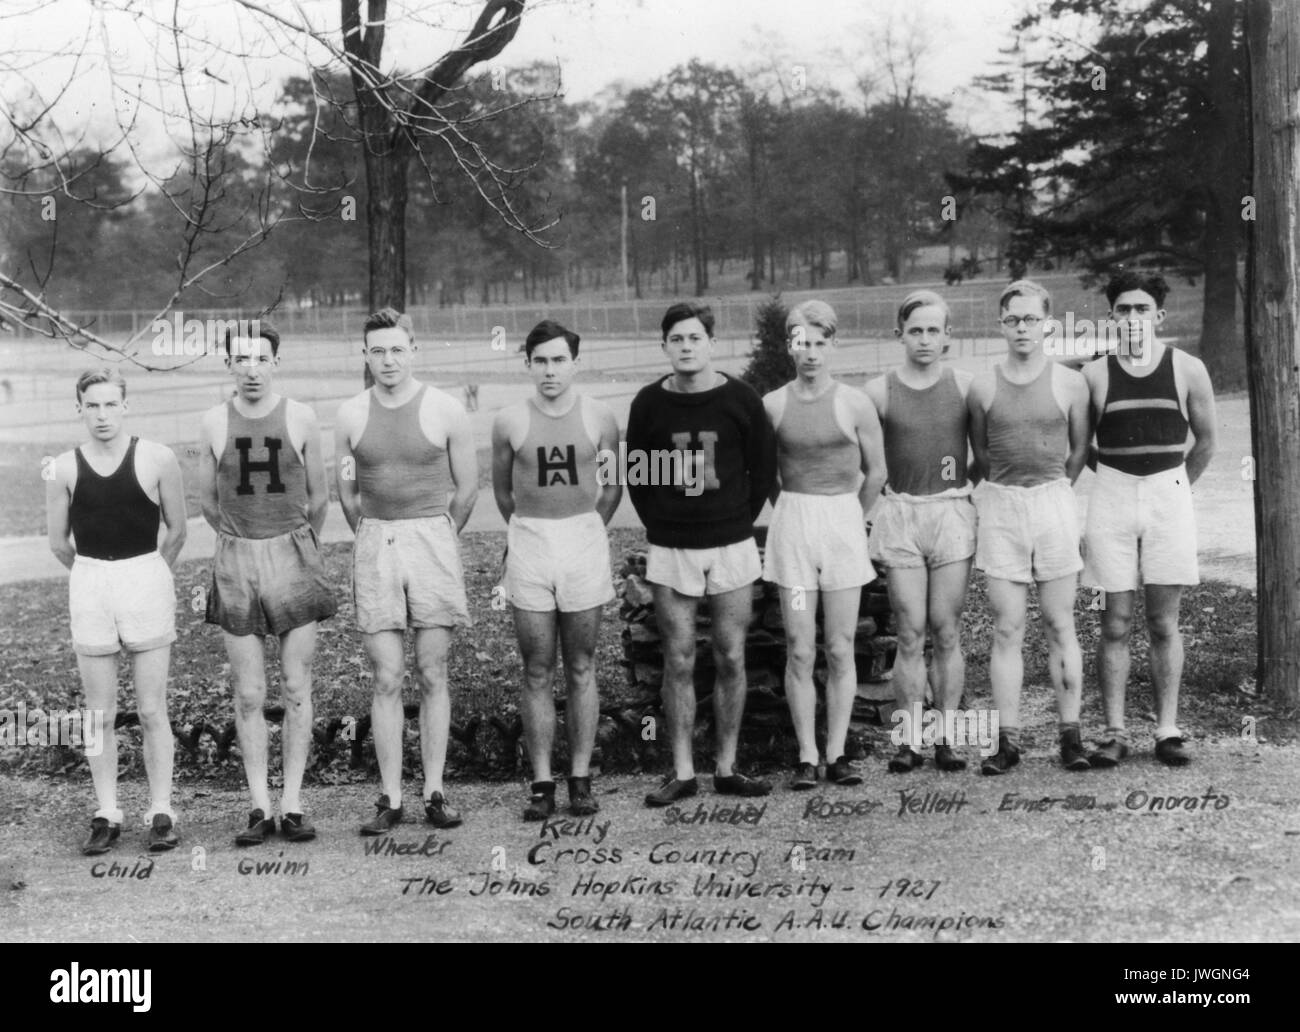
<point x="1038" y="855"/>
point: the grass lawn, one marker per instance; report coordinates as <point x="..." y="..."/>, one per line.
<point x="39" y="668"/>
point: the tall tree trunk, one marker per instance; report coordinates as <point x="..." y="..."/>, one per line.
<point x="1221" y="349"/>
<point x="386" y="213"/>
<point x="1273" y="337"/>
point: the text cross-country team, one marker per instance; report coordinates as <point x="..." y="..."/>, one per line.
<point x="925" y="471"/>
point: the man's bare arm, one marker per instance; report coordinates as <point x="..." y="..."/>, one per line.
<point x="1201" y="416"/>
<point x="171" y="500"/>
<point x="503" y="466"/>
<point x="464" y="467"/>
<point x="611" y="494"/>
<point x="58" y="523"/>
<point x="345" y="475"/>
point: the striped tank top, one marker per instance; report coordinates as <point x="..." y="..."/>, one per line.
<point x="925" y="435"/>
<point x="401" y="474"/>
<point x="816" y="456"/>
<point x="554" y="472"/>
<point x="261" y="482"/>
<point x="1028" y="434"/>
<point x="1142" y="429"/>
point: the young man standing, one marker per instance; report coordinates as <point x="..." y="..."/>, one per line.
<point x="1140" y="517"/>
<point x="407" y="480"/>
<point x="109" y="496"/>
<point x="831" y="465"/>
<point x="701" y="534"/>
<point x="924" y="528"/>
<point x="263" y="489"/>
<point x="544" y="459"/>
<point x="1029" y="430"/>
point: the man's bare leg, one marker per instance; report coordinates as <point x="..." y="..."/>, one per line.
<point x="431" y="646"/>
<point x="297" y="650"/>
<point x="150" y="677"/>
<point x="948" y="585"/>
<point x="1162" y="603"/>
<point x="99" y="681"/>
<point x="248" y="682"/>
<point x="839" y="629"/>
<point x="1007" y="601"/>
<point x="1065" y="664"/>
<point x="579" y="633"/>
<point x="1114" y="659"/>
<point x="731" y="612"/>
<point x="800" y="655"/>
<point x="675" y="613"/>
<point x="535" y="632"/>
<point x="387" y="663"/>
<point x="908" y="591"/>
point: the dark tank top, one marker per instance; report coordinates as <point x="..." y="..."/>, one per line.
<point x="112" y="517"/>
<point x="1142" y="429"/>
<point x="261" y="482"/>
<point x="925" y="436"/>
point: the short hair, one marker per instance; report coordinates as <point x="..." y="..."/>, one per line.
<point x="922" y="299"/>
<point x="253" y="328"/>
<point x="683" y="310"/>
<point x="91" y="377"/>
<point x="549" y="329"/>
<point x="817" y="314"/>
<point x="1152" y="283"/>
<point x="387" y="318"/>
<point x="1025" y="288"/>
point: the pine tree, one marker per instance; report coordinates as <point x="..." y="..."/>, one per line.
<point x="770" y="365"/>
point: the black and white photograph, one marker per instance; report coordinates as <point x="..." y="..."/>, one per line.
<point x="651" y="471"/>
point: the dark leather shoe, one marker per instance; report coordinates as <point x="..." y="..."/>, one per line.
<point x="946" y="759"/>
<point x="1072" y="755"/>
<point x="840" y="773"/>
<point x="296" y="828"/>
<point x="162" y="836"/>
<point x="905" y="760"/>
<point x="804" y="777"/>
<point x="671" y="790"/>
<point x="738" y="784"/>
<point x="259" y="826"/>
<point x="384" y="820"/>
<point x="440" y="813"/>
<point x="1108" y="754"/>
<point x="1170" y="751"/>
<point x="103" y="833"/>
<point x="581" y="801"/>
<point x="541" y="804"/>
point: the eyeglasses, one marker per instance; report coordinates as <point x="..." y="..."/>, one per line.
<point x="400" y="352"/>
<point x="1030" y="321"/>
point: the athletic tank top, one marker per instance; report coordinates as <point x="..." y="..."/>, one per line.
<point x="112" y="517"/>
<point x="925" y="435"/>
<point x="816" y="456"/>
<point x="1028" y="434"/>
<point x="1142" y="430"/>
<point x="554" y="473"/>
<point x="401" y="473"/>
<point x="261" y="482"/>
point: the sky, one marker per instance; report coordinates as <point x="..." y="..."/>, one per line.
<point x="232" y="52"/>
